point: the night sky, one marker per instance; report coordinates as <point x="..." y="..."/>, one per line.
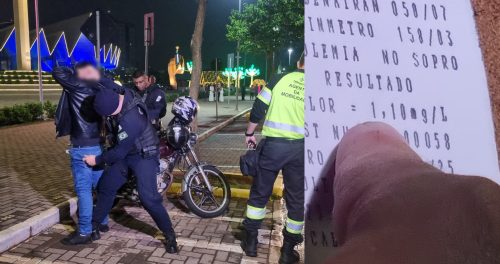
<point x="174" y="24"/>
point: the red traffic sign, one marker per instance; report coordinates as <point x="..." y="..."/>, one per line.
<point x="149" y="26"/>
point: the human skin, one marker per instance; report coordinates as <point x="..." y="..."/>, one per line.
<point x="141" y="83"/>
<point x="88" y="73"/>
<point x="391" y="207"/>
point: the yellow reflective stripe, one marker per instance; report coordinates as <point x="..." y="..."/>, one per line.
<point x="294" y="227"/>
<point x="265" y="95"/>
<point x="293" y="231"/>
<point x="283" y="126"/>
<point x="256" y="213"/>
<point x="272" y="132"/>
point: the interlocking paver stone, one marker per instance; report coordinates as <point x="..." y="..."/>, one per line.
<point x="34" y="175"/>
<point x="34" y="167"/>
<point x="34" y="171"/>
<point x="193" y="249"/>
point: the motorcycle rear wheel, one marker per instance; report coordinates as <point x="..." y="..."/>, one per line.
<point x="203" y="202"/>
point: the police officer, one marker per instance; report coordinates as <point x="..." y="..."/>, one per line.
<point x="152" y="95"/>
<point x="282" y="105"/>
<point x="136" y="148"/>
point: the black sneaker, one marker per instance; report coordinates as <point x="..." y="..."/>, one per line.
<point x="103" y="228"/>
<point x="76" y="239"/>
<point x="171" y="245"/>
<point x="95" y="235"/>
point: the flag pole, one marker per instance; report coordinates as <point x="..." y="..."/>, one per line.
<point x="39" y="58"/>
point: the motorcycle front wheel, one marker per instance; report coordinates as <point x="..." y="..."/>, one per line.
<point x="200" y="200"/>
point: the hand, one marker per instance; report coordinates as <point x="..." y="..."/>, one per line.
<point x="250" y="140"/>
<point x="90" y="160"/>
<point x="371" y="166"/>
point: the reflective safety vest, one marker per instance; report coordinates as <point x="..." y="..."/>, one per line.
<point x="285" y="116"/>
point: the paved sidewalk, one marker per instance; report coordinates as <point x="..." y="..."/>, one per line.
<point x="134" y="238"/>
<point x="35" y="172"/>
<point x="35" y="175"/>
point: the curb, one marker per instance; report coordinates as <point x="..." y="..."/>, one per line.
<point x="35" y="224"/>
<point x="32" y="226"/>
<point x="238" y="192"/>
<point x="245" y="192"/>
<point x="175" y="188"/>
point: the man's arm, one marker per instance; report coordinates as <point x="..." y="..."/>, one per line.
<point x="259" y="110"/>
<point x="110" y="84"/>
<point x="260" y="107"/>
<point x="263" y="100"/>
<point x="157" y="104"/>
<point x="126" y="138"/>
<point x="380" y="193"/>
<point x="66" y="77"/>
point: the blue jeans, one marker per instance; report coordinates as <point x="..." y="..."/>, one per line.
<point x="85" y="178"/>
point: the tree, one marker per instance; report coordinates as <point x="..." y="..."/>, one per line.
<point x="266" y="26"/>
<point x="196" y="43"/>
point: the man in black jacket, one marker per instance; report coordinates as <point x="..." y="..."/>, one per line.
<point x="152" y="95"/>
<point x="77" y="118"/>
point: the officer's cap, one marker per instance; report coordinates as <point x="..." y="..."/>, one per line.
<point x="106" y="102"/>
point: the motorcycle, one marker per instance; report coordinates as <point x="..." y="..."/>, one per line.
<point x="205" y="189"/>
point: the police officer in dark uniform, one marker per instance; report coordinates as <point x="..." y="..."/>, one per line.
<point x="136" y="148"/>
<point x="152" y="95"/>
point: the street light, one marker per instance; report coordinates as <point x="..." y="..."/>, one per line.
<point x="290" y="50"/>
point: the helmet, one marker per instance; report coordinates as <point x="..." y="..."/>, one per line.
<point x="177" y="136"/>
<point x="185" y="109"/>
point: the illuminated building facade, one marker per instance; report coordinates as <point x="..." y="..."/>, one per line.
<point x="62" y="44"/>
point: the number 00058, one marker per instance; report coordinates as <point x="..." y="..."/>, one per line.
<point x="427" y="140"/>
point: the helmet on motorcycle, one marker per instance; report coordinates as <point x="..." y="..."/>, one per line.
<point x="177" y="136"/>
<point x="185" y="108"/>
